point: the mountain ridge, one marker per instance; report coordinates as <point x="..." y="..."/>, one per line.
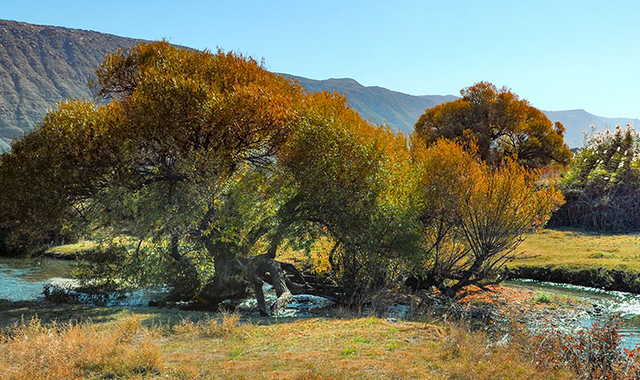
<point x="41" y="65"/>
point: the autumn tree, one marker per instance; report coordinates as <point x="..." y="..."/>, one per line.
<point x="158" y="161"/>
<point x="474" y="216"/>
<point x="500" y="124"/>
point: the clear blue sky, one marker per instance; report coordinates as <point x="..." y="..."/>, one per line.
<point x="557" y="54"/>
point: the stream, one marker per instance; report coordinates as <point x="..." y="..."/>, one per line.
<point x="626" y="305"/>
<point x="24" y="280"/>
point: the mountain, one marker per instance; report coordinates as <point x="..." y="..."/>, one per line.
<point x="42" y="65"/>
<point x="378" y="104"/>
<point x="579" y="121"/>
<point x="401" y="111"/>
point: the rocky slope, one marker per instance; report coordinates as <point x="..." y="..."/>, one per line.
<point x="42" y="65"/>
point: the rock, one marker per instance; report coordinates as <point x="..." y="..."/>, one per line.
<point x="301" y="305"/>
<point x="67" y="290"/>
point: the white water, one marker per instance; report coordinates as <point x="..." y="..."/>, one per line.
<point x="625" y="305"/>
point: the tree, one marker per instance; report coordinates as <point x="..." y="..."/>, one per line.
<point x="160" y="161"/>
<point x="473" y="215"/>
<point x="500" y="124"/>
<point x="350" y="178"/>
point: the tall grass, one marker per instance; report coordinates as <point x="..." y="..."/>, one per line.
<point x="222" y="346"/>
<point x="33" y="350"/>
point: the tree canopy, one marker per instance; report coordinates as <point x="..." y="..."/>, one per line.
<point x="194" y="170"/>
<point x="500" y="124"/>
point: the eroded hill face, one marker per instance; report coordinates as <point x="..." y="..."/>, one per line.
<point x="42" y="65"/>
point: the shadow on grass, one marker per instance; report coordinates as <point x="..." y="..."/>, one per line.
<point x="14" y="312"/>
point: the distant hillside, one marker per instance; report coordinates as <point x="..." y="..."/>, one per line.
<point x="378" y="104"/>
<point x="401" y="110"/>
<point x="42" y="65"/>
<point x="578" y="121"/>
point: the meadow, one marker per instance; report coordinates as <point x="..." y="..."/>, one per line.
<point x="156" y="343"/>
<point x="579" y="249"/>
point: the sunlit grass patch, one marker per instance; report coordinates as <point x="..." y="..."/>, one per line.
<point x="71" y="250"/>
<point x="579" y="249"/>
<point x="150" y="343"/>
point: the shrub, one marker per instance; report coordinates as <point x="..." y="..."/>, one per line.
<point x="602" y="186"/>
<point x="593" y="353"/>
<point x="474" y="215"/>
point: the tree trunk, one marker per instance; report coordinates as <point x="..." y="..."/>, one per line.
<point x="229" y="280"/>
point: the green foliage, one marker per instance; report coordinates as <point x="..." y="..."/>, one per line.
<point x="500" y="124"/>
<point x="602" y="186"/>
<point x="543" y="298"/>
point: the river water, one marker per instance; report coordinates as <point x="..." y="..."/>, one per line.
<point x="608" y="303"/>
<point x="24" y="279"/>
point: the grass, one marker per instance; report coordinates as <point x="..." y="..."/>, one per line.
<point x="154" y="343"/>
<point x="70" y="251"/>
<point x="543" y="298"/>
<point x="579" y="250"/>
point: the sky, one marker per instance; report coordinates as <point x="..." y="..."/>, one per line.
<point x="557" y="54"/>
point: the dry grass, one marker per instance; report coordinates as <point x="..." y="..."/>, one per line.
<point x="36" y="351"/>
<point x="226" y="346"/>
<point x="223" y="326"/>
<point x="579" y="249"/>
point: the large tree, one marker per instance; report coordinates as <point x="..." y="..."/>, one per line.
<point x="207" y="162"/>
<point x="500" y="124"/>
<point x="160" y="159"/>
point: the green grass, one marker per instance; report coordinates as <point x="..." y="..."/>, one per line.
<point x="543" y="298"/>
<point x="579" y="250"/>
<point x="70" y="250"/>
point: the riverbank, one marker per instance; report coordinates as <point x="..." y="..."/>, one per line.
<point x="504" y="332"/>
<point x="606" y="261"/>
<point x="154" y="343"/>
